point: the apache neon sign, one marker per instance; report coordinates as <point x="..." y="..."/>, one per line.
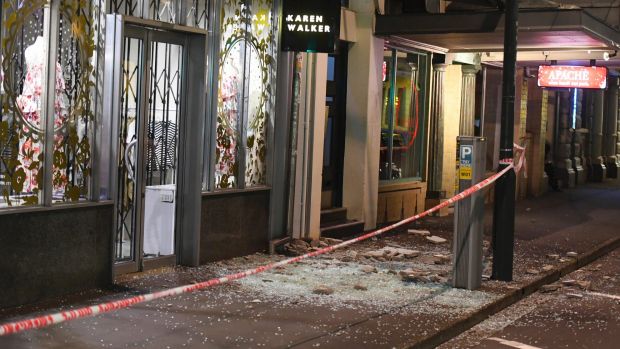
<point x="564" y="76"/>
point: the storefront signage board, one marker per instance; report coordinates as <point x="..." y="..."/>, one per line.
<point x="310" y="26"/>
<point x="564" y="76"/>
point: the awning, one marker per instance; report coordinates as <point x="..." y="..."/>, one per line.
<point x="539" y="30"/>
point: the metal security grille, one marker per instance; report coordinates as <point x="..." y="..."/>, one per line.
<point x="133" y="51"/>
<point x="164" y="109"/>
<point x="150" y="108"/>
<point x="194" y="13"/>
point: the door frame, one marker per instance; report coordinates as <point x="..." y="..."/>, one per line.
<point x="190" y="156"/>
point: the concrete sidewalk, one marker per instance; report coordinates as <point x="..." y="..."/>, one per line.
<point x="345" y="299"/>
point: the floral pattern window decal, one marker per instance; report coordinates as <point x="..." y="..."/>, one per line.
<point x="245" y="93"/>
<point x="25" y="90"/>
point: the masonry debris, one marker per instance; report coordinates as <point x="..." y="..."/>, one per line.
<point x="574" y="295"/>
<point x="548" y="267"/>
<point x="550" y="287"/>
<point x="436" y="239"/>
<point x="419" y="232"/>
<point x="391" y="253"/>
<point x="368" y="269"/>
<point x="298" y="247"/>
<point x="323" y="290"/>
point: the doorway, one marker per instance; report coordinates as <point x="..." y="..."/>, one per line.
<point x="153" y="163"/>
<point x="335" y="125"/>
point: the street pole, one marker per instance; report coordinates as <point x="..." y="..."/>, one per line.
<point x="504" y="210"/>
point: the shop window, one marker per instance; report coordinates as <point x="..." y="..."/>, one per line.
<point x="74" y="96"/>
<point x="405" y="77"/>
<point x="194" y="13"/>
<point x="245" y="92"/>
<point x="31" y="94"/>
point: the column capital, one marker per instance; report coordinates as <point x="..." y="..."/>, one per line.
<point x="468" y="70"/>
<point x="441" y="67"/>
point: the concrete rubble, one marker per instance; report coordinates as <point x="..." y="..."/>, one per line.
<point x="368" y="269"/>
<point x="436" y="239"/>
<point x="391" y="253"/>
<point x="416" y="232"/>
<point x="550" y="287"/>
<point x="323" y="290"/>
<point x="548" y="267"/>
<point x="585" y="285"/>
<point x="298" y="247"/>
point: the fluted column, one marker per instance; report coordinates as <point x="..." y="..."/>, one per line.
<point x="578" y="138"/>
<point x="563" y="153"/>
<point x="596" y="161"/>
<point x="611" y="129"/>
<point x="436" y="133"/>
<point x="468" y="101"/>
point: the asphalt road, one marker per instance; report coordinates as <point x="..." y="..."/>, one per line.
<point x="570" y="317"/>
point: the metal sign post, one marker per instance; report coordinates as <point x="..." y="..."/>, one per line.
<point x="469" y="215"/>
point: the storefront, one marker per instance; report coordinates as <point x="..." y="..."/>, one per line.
<point x="152" y="147"/>
<point x="569" y="123"/>
<point x="404" y="122"/>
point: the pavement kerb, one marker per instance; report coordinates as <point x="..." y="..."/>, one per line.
<point x="462" y="325"/>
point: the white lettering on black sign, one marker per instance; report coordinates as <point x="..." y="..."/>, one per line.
<point x="306" y="24"/>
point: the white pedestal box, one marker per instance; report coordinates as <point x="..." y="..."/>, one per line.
<point x="159" y="209"/>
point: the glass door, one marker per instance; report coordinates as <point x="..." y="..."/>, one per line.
<point x="151" y="113"/>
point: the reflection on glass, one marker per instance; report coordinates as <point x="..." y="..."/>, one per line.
<point x="196" y="13"/>
<point x="386" y="114"/>
<point x="193" y="13"/>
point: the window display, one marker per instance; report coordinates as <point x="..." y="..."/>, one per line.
<point x="403" y="115"/>
<point x="21" y="132"/>
<point x="247" y="48"/>
<point x="25" y="91"/>
<point x="30" y="102"/>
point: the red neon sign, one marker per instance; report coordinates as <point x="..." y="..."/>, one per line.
<point x="572" y="76"/>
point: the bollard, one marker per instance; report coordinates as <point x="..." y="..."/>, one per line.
<point x="469" y="215"/>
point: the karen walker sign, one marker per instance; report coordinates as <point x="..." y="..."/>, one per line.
<point x="310" y="26"/>
<point x="572" y="76"/>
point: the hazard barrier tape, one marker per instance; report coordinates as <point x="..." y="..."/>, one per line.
<point x="67" y="315"/>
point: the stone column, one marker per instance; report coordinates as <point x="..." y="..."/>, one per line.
<point x="306" y="215"/>
<point x="363" y="125"/>
<point x="468" y="101"/>
<point x="435" y="164"/>
<point x="563" y="140"/>
<point x="578" y="139"/>
<point x="596" y="161"/>
<point x="612" y="162"/>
